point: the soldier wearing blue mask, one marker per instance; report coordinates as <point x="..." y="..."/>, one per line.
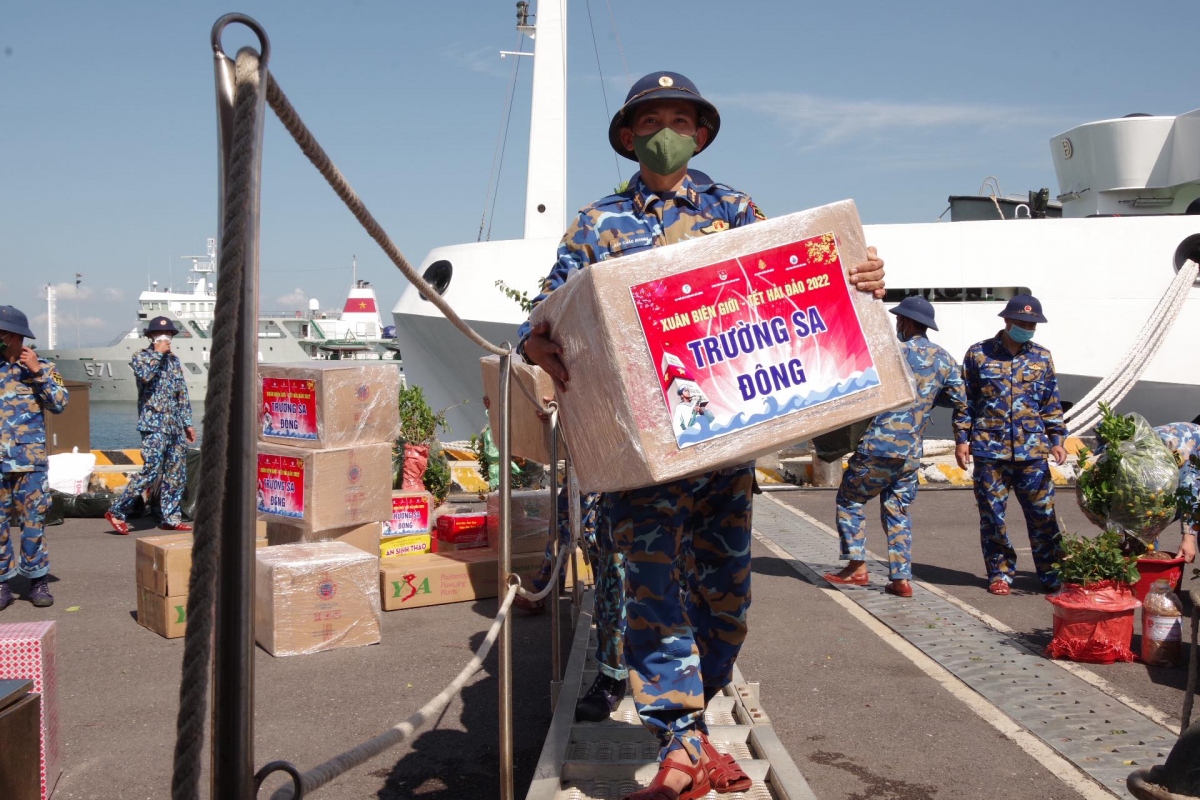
<point x="889" y="454"/>
<point x="680" y="646"/>
<point x="1015" y="426"/>
<point x="29" y="387"/>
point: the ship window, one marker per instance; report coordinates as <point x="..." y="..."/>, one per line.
<point x="958" y="294"/>
<point x="192" y="368"/>
<point x="438" y="276"/>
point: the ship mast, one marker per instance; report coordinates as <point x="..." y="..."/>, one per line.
<point x="51" y="322"/>
<point x="546" y="182"/>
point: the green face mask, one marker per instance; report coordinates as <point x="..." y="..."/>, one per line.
<point x="665" y="152"/>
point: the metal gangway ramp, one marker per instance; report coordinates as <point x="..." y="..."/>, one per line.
<point x="606" y="760"/>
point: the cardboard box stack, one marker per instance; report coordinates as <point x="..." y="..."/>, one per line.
<point x="758" y="326"/>
<point x="163" y="567"/>
<point x="28" y="651"/>
<point x="316" y="596"/>
<point x="328" y="404"/>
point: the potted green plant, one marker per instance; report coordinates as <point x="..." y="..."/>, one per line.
<point x="418" y="462"/>
<point x="1093" y="611"/>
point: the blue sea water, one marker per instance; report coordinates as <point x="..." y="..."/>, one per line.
<point x="114" y="425"/>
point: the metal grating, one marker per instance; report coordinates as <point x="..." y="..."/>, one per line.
<point x="1100" y="735"/>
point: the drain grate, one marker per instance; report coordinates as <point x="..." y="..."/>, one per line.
<point x="1100" y="735"/>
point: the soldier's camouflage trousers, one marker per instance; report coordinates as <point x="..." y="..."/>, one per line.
<point x="24" y="501"/>
<point x="164" y="459"/>
<point x="687" y="588"/>
<point x="1031" y="482"/>
<point x="608" y="567"/>
<point x="894" y="480"/>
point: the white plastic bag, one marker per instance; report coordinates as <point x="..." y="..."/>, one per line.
<point x="70" y="473"/>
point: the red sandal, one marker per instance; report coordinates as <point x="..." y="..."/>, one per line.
<point x="999" y="587"/>
<point x="858" y="579"/>
<point x="656" y="791"/>
<point x="724" y="773"/>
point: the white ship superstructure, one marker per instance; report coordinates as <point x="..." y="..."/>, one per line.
<point x="1098" y="275"/>
<point x="355" y="332"/>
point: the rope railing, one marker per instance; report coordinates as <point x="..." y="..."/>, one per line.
<point x="1086" y="414"/>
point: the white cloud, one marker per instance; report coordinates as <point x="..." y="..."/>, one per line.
<point x="295" y="299"/>
<point x="66" y="322"/>
<point x="815" y="120"/>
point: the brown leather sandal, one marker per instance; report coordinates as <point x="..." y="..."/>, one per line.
<point x="657" y="791"/>
<point x="724" y="773"/>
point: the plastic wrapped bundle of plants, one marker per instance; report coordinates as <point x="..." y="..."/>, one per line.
<point x="1130" y="486"/>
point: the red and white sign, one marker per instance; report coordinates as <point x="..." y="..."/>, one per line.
<point x="289" y="408"/>
<point x="744" y="341"/>
<point x="281" y="485"/>
<point x="27" y="652"/>
<point x="463" y="528"/>
<point x="410" y="514"/>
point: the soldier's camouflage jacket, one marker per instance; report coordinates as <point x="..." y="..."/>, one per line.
<point x="900" y="433"/>
<point x="638" y="219"/>
<point x="23" y="400"/>
<point x="1015" y="413"/>
<point x="1183" y="439"/>
<point x="163" y="403"/>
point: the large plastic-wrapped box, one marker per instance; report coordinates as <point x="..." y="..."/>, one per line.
<point x="529" y="436"/>
<point x="321" y="489"/>
<point x="29" y="652"/>
<point x="529" y="521"/>
<point x="714" y="351"/>
<point x="314" y="597"/>
<point x="323" y="404"/>
<point x="365" y="537"/>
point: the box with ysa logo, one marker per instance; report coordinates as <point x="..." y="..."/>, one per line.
<point x="314" y="597"/>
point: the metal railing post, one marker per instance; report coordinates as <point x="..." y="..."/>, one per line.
<point x="575" y="514"/>
<point x="556" y="677"/>
<point x="233" y="640"/>
<point x="504" y="644"/>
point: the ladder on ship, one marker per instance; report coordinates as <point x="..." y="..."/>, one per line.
<point x="606" y="760"/>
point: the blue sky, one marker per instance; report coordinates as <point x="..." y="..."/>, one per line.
<point x="107" y="126"/>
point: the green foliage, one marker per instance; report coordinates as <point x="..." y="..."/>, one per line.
<point x="437" y="478"/>
<point x="1088" y="561"/>
<point x="418" y="422"/>
<point x="1185" y="498"/>
<point x="622" y="186"/>
<point x="521" y="298"/>
<point x="524" y="474"/>
<point x="1112" y="489"/>
<point x="483" y="459"/>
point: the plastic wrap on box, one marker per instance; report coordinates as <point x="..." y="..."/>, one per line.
<point x="464" y="528"/>
<point x="29" y="651"/>
<point x="314" y="597"/>
<point x="321" y="489"/>
<point x="529" y="521"/>
<point x="413" y="544"/>
<point x="711" y="352"/>
<point x="530" y="434"/>
<point x="323" y="404"/>
<point x="412" y="513"/>
<point x="164" y="563"/>
<point x="365" y="537"/>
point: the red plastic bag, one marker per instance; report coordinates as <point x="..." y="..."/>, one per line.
<point x="1093" y="623"/>
<point x="416" y="458"/>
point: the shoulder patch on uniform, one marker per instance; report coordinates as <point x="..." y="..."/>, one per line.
<point x="716" y="226"/>
<point x="757" y="214"/>
<point x="1178" y="458"/>
<point x="57" y="378"/>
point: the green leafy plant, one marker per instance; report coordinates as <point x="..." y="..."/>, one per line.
<point x="520" y="298"/>
<point x="419" y="425"/>
<point x="524" y="474"/>
<point x="437" y="477"/>
<point x="1103" y="558"/>
<point x="1105" y="484"/>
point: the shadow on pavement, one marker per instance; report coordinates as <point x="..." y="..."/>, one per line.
<point x="777" y="567"/>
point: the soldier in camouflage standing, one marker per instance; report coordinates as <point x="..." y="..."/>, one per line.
<point x="165" y="423"/>
<point x="680" y="646"/>
<point x="1015" y="425"/>
<point x="889" y="454"/>
<point x="29" y="387"/>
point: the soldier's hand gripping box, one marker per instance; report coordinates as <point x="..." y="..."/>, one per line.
<point x="324" y="404"/>
<point x="529" y="436"/>
<point x="714" y="351"/>
<point x="314" y="597"/>
<point x="322" y="489"/>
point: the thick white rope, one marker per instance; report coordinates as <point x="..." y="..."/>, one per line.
<point x="317" y="777"/>
<point x="1113" y="388"/>
<point x="1168" y="306"/>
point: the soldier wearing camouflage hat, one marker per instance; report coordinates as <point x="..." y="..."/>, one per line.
<point x="680" y="646"/>
<point x="29" y="387"/>
<point x="889" y="454"/>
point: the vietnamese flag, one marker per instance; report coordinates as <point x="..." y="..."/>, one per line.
<point x="359" y="305"/>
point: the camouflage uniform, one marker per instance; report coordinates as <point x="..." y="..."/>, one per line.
<point x="1015" y="418"/>
<point x="1183" y="439"/>
<point x="24" y="495"/>
<point x="679" y="647"/>
<point x="889" y="455"/>
<point x="608" y="565"/>
<point x="164" y="414"/>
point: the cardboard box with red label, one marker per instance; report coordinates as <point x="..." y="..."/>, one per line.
<point x="322" y="489"/>
<point x="412" y="513"/>
<point x="28" y="651"/>
<point x="711" y="352"/>
<point x="462" y="531"/>
<point x="328" y="404"/>
<point x="314" y="597"/>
